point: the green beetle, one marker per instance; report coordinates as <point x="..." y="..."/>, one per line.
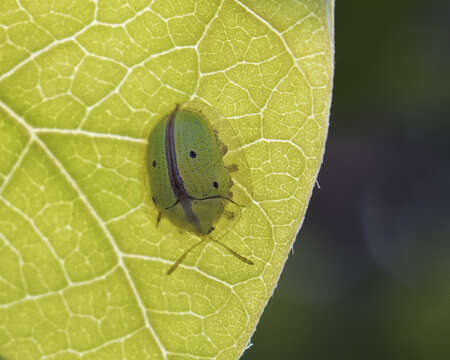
<point x="188" y="179"/>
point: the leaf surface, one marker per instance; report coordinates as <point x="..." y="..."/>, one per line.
<point x="82" y="262"/>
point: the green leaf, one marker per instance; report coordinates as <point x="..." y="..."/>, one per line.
<point x="82" y="262"/>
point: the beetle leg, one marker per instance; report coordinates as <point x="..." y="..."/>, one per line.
<point x="229" y="214"/>
<point x="158" y="219"/>
<point x="232" y="168"/>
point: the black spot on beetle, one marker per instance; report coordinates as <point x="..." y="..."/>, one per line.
<point x="154" y="163"/>
<point x="193" y="154"/>
<point x="216" y="184"/>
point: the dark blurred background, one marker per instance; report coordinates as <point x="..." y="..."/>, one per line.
<point x="370" y="274"/>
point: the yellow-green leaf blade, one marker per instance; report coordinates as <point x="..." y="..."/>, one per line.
<point x="82" y="262"/>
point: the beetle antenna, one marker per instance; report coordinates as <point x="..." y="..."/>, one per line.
<point x="223" y="198"/>
<point x="181" y="258"/>
<point x="232" y="252"/>
<point x="209" y="238"/>
<point x="174" y="112"/>
<point x="216" y="197"/>
<point x="171" y="206"/>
